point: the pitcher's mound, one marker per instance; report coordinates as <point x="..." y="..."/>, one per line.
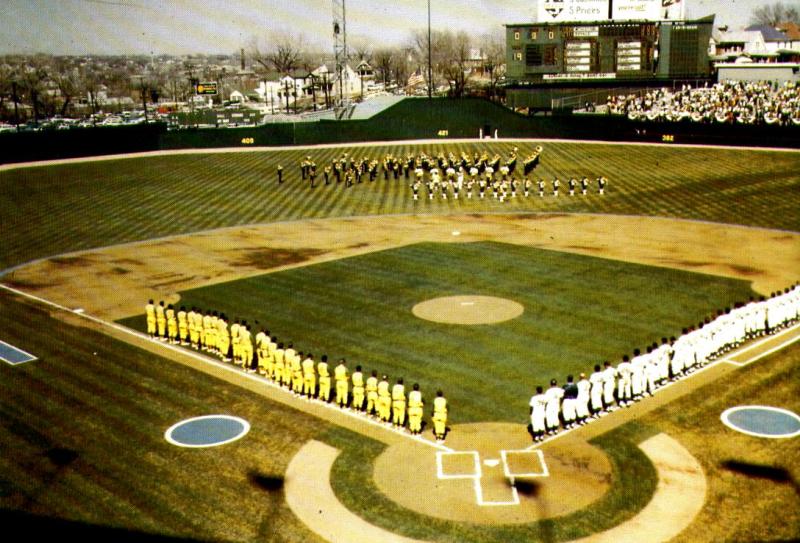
<point x="468" y="310"/>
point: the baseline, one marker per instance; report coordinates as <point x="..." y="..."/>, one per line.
<point x="281" y="392"/>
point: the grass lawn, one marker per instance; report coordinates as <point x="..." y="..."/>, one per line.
<point x="84" y="454"/>
<point x="579" y="310"/>
<point x="753" y="483"/>
<point x="52" y="210"/>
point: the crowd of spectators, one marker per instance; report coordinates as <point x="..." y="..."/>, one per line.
<point x="742" y="102"/>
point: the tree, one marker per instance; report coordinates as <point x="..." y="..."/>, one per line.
<point x="453" y="61"/>
<point x="494" y="50"/>
<point x="774" y="14"/>
<point x="283" y="53"/>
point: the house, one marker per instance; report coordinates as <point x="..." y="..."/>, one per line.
<point x="773" y="39"/>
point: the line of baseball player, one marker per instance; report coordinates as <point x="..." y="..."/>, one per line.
<point x="609" y="388"/>
<point x="294" y="370"/>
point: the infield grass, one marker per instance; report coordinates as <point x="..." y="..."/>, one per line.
<point x="579" y="311"/>
<point x="56" y="209"/>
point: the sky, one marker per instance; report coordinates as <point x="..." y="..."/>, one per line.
<point x="78" y="27"/>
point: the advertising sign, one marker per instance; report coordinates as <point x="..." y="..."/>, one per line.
<point x="558" y="11"/>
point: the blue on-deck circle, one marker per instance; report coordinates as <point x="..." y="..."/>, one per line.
<point x="207" y="431"/>
<point x="762" y="421"/>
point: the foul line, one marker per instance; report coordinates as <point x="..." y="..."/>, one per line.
<point x="226" y="367"/>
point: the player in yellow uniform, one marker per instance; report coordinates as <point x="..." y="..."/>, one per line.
<point x="439" y="416"/>
<point x="309" y="376"/>
<point x="358" y="389"/>
<point x="246" y="347"/>
<point x="161" y="321"/>
<point x="288" y="356"/>
<point x="342" y="384"/>
<point x="191" y="322"/>
<point x="272" y="346"/>
<point x="237" y="356"/>
<point x="172" y="324"/>
<point x="384" y="400"/>
<point x="261" y="351"/>
<point x="279" y="365"/>
<point x="150" y="314"/>
<point x="324" y="379"/>
<point x="203" y="321"/>
<point x="399" y="403"/>
<point x="372" y="393"/>
<point x="297" y="374"/>
<point x="415" y="409"/>
<point x="209" y="325"/>
<point x="223" y="338"/>
<point x="183" y="326"/>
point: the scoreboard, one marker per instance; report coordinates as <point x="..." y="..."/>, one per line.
<point x="610" y="49"/>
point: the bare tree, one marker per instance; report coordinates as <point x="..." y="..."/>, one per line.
<point x="774" y="14"/>
<point x="453" y="61"/>
<point x="384" y="63"/>
<point x="283" y="52"/>
<point x="494" y="52"/>
<point x="361" y="49"/>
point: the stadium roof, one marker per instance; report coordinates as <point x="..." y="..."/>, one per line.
<point x="769" y="33"/>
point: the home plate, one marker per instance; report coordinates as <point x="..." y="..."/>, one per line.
<point x="467" y="303"/>
<point x="491" y="463"/>
<point x="456" y="233"/>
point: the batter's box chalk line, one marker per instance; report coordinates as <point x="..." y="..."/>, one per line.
<point x="476" y="474"/>
<point x="536" y="453"/>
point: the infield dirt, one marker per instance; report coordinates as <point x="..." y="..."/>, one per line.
<point x="115" y="282"/>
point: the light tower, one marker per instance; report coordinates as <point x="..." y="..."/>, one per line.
<point x="340" y="53"/>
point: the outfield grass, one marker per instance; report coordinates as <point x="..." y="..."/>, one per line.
<point x="82" y="441"/>
<point x="51" y="210"/>
<point x="579" y="311"/>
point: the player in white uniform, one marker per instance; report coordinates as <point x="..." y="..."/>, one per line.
<point x="569" y="404"/>
<point x="553" y="409"/>
<point x="638" y="378"/>
<point x="596" y="393"/>
<point x="624" y="382"/>
<point x="609" y="384"/>
<point x="582" y="403"/>
<point x="538" y="405"/>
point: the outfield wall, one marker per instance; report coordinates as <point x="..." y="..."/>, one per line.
<point x="415" y="118"/>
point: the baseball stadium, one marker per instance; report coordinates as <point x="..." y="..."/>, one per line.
<point x="444" y="322"/>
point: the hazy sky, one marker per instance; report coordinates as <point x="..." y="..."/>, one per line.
<point x="211" y="26"/>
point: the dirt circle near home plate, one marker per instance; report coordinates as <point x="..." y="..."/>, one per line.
<point x="468" y="310"/>
<point x="411" y="475"/>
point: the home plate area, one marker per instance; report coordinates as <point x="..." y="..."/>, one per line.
<point x="493" y="479"/>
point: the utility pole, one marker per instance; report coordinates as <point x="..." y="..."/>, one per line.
<point x="430" y="64"/>
<point x="16" y="111"/>
<point x="340" y="50"/>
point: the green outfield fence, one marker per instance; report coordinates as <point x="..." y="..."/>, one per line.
<point x="413" y="118"/>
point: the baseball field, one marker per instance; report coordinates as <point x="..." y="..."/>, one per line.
<point x="479" y="298"/>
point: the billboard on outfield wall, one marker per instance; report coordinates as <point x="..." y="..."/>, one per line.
<point x="558" y="11"/>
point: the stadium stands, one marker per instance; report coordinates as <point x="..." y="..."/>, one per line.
<point x="728" y="102"/>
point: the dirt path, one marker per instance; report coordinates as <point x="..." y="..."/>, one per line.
<point x="311" y="498"/>
<point x="115" y="282"/>
<point x="678" y="498"/>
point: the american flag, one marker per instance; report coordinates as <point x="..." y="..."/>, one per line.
<point x="415" y="79"/>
